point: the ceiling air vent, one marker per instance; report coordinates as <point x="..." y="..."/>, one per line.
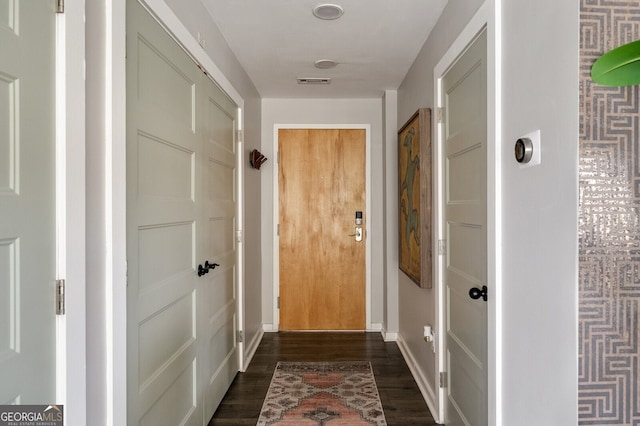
<point x="313" y="80"/>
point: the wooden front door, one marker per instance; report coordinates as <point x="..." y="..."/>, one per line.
<point x="322" y="265"/>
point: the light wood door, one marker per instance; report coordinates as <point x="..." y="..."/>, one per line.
<point x="322" y="266"/>
<point x="181" y="213"/>
<point x="465" y="153"/>
<point x="27" y="203"/>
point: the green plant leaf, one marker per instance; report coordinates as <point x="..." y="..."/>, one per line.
<point x="619" y="66"/>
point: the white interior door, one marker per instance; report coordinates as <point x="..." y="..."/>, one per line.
<point x="181" y="218"/>
<point x="163" y="200"/>
<point x="220" y="284"/>
<point x="27" y="203"/>
<point x="465" y="151"/>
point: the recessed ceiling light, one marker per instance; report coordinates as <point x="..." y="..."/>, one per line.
<point x="328" y="11"/>
<point x="325" y="64"/>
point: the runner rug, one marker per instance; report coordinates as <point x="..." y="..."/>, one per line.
<point x="322" y="393"/>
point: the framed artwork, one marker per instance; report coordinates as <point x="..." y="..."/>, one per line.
<point x="414" y="198"/>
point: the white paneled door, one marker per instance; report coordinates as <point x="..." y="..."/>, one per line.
<point x="219" y="247"/>
<point x="181" y="207"/>
<point x="465" y="150"/>
<point x="27" y="203"/>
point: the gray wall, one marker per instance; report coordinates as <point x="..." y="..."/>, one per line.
<point x="539" y="265"/>
<point x="96" y="243"/>
<point x="535" y="330"/>
<point x="417" y="306"/>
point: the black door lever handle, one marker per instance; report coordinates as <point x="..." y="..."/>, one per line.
<point x="205" y="269"/>
<point x="208" y="265"/>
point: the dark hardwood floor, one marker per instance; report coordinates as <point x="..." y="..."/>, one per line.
<point x="401" y="399"/>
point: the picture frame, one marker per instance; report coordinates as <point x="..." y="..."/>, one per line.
<point x="415" y="198"/>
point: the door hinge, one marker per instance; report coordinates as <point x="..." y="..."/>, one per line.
<point x="443" y="379"/>
<point x="278" y="157"/>
<point x="278" y="230"/>
<point x="240" y="134"/>
<point x="442" y="247"/>
<point x="440" y="114"/>
<point x="278" y="302"/>
<point x="240" y="336"/>
<point x="60" y="296"/>
<point x="59" y="6"/>
<point x="239" y="236"/>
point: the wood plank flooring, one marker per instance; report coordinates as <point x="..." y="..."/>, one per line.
<point x="401" y="399"/>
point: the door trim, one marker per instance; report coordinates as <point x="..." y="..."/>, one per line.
<point x="276" y="214"/>
<point x="70" y="210"/>
<point x="486" y="18"/>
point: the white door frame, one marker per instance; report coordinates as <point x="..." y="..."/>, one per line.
<point x="276" y="216"/>
<point x="71" y="377"/>
<point x="487" y="16"/>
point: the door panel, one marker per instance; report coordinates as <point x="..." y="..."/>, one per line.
<point x="322" y="266"/>
<point x="181" y="212"/>
<point x="163" y="178"/>
<point x="465" y="148"/>
<point x="219" y="191"/>
<point x="174" y="405"/>
<point x="27" y="203"/>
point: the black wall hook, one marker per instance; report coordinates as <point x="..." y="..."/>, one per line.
<point x="256" y="159"/>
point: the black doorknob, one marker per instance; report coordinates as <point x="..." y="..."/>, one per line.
<point x="476" y="293"/>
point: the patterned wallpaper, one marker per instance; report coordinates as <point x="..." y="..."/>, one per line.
<point x="609" y="226"/>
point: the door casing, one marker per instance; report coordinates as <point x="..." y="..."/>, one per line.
<point x="276" y="255"/>
<point x="71" y="382"/>
<point x="484" y="19"/>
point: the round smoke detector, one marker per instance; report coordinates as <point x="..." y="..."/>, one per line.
<point x="328" y="11"/>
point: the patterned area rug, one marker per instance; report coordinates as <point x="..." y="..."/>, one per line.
<point x="322" y="393"/>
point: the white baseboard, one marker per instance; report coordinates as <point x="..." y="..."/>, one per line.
<point x="375" y="327"/>
<point x="388" y="336"/>
<point x="251" y="349"/>
<point x="425" y="387"/>
<point x="269" y="328"/>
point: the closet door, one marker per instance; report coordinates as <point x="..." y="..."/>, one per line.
<point x="219" y="196"/>
<point x="181" y="213"/>
<point x="27" y="203"/>
<point x="163" y="202"/>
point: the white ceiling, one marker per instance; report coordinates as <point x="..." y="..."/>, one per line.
<point x="276" y="41"/>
